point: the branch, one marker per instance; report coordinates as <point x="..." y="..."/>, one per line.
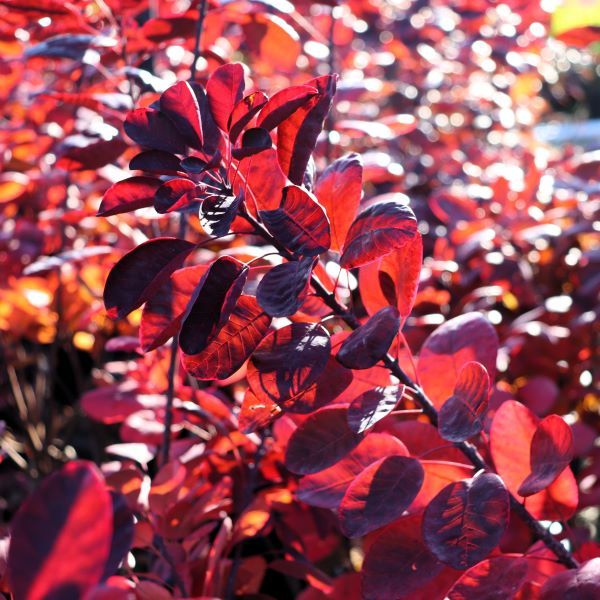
<point x="199" y="25"/>
<point x="468" y="449"/>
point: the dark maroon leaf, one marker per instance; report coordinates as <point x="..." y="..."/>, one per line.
<point x="379" y="229"/>
<point x="218" y="212"/>
<point x="134" y="279"/>
<point x="180" y="105"/>
<point x="299" y="223"/>
<point x="297" y="135"/>
<point x="224" y="90"/>
<point x="466" y="520"/>
<point x="193" y="164"/>
<point x="210" y="130"/>
<point x="262" y="180"/>
<point x="68" y="45"/>
<point x="154" y="130"/>
<point x="551" y="453"/>
<point x="244" y="112"/>
<point x="327" y="488"/>
<point x="368" y="344"/>
<point x="339" y="189"/>
<point x="398" y="564"/>
<point x="372" y="406"/>
<point x="283" y="289"/>
<point x="492" y="579"/>
<point x="254" y="140"/>
<point x="163" y="313"/>
<point x="176" y="194"/>
<point x="127" y="195"/>
<point x="283" y="104"/>
<point x="575" y="584"/>
<point x="233" y="344"/>
<point x="211" y="304"/>
<point x="61" y="535"/>
<point x="288" y="361"/>
<point x="462" y="415"/>
<point x="122" y="533"/>
<point x="380" y="494"/>
<point x="155" y="161"/>
<point x="320" y="441"/>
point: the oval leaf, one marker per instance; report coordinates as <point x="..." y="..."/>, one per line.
<point x="154" y="130"/>
<point x="368" y="344"/>
<point x="244" y="112"/>
<point x="551" y="453"/>
<point x="463" y="414"/>
<point x="61" y="535"/>
<point x="299" y="223"/>
<point x="211" y="303"/>
<point x="339" y="189"/>
<point x="283" y="104"/>
<point x="180" y="105"/>
<point x="466" y="520"/>
<point x="575" y="584"/>
<point x="288" y="361"/>
<point x="511" y="434"/>
<point x="320" y="441"/>
<point x="469" y="337"/>
<point x="127" y="195"/>
<point x="224" y="89"/>
<point x="327" y="487"/>
<point x="283" y="289"/>
<point x="155" y="161"/>
<point x="229" y="349"/>
<point x="379" y="229"/>
<point x="380" y="494"/>
<point x="135" y="278"/>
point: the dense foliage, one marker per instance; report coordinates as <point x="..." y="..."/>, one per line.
<point x="294" y="303"/>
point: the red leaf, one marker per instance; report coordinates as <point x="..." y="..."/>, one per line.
<point x="398" y="564"/>
<point x="498" y="577"/>
<point x="575" y="584"/>
<point x="332" y="382"/>
<point x="462" y="415"/>
<point x="393" y="279"/>
<point x="217" y="213"/>
<point x="254" y="141"/>
<point x="154" y="130"/>
<point x="93" y="156"/>
<point x="327" y="487"/>
<point x="122" y="533"/>
<point x="300" y="223"/>
<point x="233" y="344"/>
<point x="511" y="434"/>
<point x="339" y="189"/>
<point x="551" y="453"/>
<point x="265" y="180"/>
<point x="379" y="229"/>
<point x="372" y="406"/>
<point x="256" y="414"/>
<point x="288" y="361"/>
<point x="469" y="337"/>
<point x="368" y="344"/>
<point x="466" y="520"/>
<point x="224" y="89"/>
<point x="283" y="289"/>
<point x="380" y="494"/>
<point x="283" y="104"/>
<point x="180" y="105"/>
<point x="61" y="535"/>
<point x="175" y="194"/>
<point x="297" y="135"/>
<point x="211" y="303"/>
<point x="244" y="112"/>
<point x="127" y="195"/>
<point x="135" y="278"/>
<point x="163" y="313"/>
<point x="320" y="441"/>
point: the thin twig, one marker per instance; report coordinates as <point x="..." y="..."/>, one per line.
<point x="199" y="25"/>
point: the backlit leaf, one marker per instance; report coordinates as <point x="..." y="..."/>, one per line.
<point x="224" y="90"/>
<point x="372" y="406"/>
<point x="180" y="105"/>
<point x="128" y="195"/>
